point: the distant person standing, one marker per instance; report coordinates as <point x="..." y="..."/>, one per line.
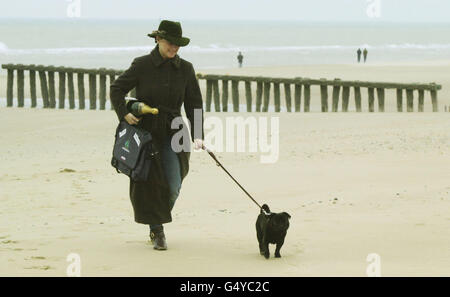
<point x="240" y="58"/>
<point x="359" y="55"/>
<point x="365" y="55"/>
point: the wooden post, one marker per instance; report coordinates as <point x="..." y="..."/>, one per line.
<point x="434" y="100"/>
<point x="345" y="98"/>
<point x="307" y="93"/>
<point x="216" y="95"/>
<point x="20" y="85"/>
<point x="44" y="86"/>
<point x="421" y="99"/>
<point x="71" y="89"/>
<point x="287" y="95"/>
<point x="298" y="97"/>
<point x="266" y="96"/>
<point x="371" y="99"/>
<point x="259" y="93"/>
<point x="62" y="87"/>
<point x="9" y="86"/>
<point x="33" y="96"/>
<point x="81" y="95"/>
<point x="248" y="95"/>
<point x="276" y="95"/>
<point x="324" y="96"/>
<point x="336" y="90"/>
<point x="224" y="95"/>
<point x="357" y="90"/>
<point x="400" y="100"/>
<point x="380" y="94"/>
<point x="92" y="90"/>
<point x="409" y="100"/>
<point x="112" y="78"/>
<point x="235" y="94"/>
<point x="208" y="94"/>
<point x="102" y="88"/>
<point x="51" y="86"/>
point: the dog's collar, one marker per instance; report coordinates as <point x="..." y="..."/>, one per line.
<point x="266" y="213"/>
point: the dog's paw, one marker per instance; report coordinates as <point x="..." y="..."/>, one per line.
<point x="277" y="255"/>
<point x="266" y="254"/>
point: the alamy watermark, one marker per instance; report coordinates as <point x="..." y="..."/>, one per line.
<point x="74" y="268"/>
<point x="73" y="8"/>
<point x="374" y="267"/>
<point x="232" y="134"/>
<point x="374" y="9"/>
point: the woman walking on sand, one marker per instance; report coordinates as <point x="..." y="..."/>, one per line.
<point x="165" y="81"/>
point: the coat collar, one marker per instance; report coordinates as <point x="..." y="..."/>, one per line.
<point x="158" y="60"/>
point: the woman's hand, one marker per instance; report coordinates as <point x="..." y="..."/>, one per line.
<point x="198" y="144"/>
<point x="131" y="119"/>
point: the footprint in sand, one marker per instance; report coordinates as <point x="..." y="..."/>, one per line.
<point x="9" y="242"/>
<point x="19" y="249"/>
<point x="39" y="267"/>
<point x="42" y="267"/>
<point x="36" y="258"/>
<point x="78" y="186"/>
<point x="67" y="237"/>
<point x="80" y="190"/>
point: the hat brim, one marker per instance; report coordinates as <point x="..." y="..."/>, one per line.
<point x="180" y="41"/>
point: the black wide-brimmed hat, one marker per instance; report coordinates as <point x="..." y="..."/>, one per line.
<point x="172" y="32"/>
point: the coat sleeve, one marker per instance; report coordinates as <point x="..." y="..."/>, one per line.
<point x="121" y="86"/>
<point x="193" y="106"/>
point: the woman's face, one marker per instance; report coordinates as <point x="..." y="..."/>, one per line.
<point x="167" y="49"/>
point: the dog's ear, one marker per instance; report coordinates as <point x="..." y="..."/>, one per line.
<point x="286" y="214"/>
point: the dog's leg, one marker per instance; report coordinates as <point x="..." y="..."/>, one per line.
<point x="265" y="251"/>
<point x="259" y="234"/>
<point x="277" y="249"/>
<point x="261" y="244"/>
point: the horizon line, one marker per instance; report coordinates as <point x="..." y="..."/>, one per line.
<point x="368" y="21"/>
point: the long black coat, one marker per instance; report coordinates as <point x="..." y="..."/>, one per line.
<point x="165" y="84"/>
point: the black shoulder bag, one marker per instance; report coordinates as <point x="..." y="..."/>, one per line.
<point x="133" y="151"/>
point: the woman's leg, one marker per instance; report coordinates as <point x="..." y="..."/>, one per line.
<point x="171" y="167"/>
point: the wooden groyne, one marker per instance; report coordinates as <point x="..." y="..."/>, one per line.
<point x="340" y="93"/>
<point x="46" y="76"/>
<point x="215" y="91"/>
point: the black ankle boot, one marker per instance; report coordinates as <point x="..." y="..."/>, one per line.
<point x="159" y="240"/>
<point x="155" y="229"/>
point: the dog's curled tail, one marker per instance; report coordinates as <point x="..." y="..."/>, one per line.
<point x="265" y="207"/>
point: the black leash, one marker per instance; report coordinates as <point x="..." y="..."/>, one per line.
<point x="219" y="164"/>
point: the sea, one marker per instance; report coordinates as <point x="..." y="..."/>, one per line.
<point x="95" y="43"/>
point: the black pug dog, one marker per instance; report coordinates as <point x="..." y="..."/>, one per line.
<point x="271" y="228"/>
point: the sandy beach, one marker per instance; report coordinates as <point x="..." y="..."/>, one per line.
<point x="354" y="184"/>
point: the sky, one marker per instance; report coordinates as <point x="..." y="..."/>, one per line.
<point x="298" y="10"/>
